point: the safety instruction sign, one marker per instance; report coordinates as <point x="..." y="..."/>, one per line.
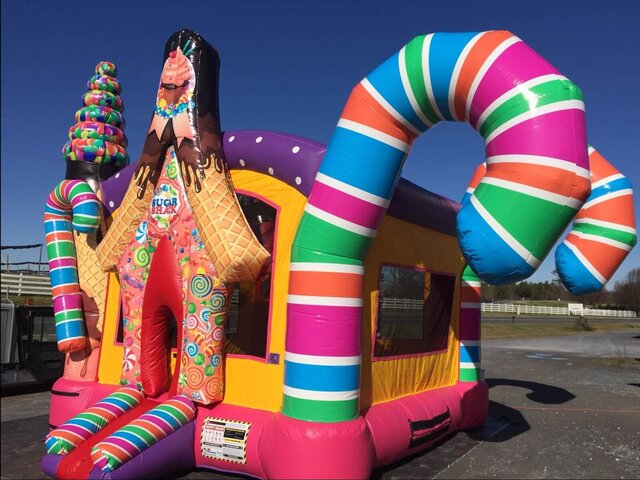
<point x="224" y="439"/>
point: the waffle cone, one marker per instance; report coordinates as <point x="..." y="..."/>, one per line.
<point x="123" y="227"/>
<point x="229" y="241"/>
<point x="91" y="277"/>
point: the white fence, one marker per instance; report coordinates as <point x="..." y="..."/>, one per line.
<point x="540" y="310"/>
<point x="25" y="284"/>
<point x="392" y="303"/>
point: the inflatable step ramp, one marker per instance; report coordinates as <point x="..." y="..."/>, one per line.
<point x="157" y="442"/>
<point x="146" y="441"/>
<point x="64" y="439"/>
<point x="69" y="445"/>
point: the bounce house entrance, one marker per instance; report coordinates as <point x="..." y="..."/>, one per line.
<point x="161" y="308"/>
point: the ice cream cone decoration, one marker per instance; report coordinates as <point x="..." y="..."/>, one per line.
<point x="186" y="118"/>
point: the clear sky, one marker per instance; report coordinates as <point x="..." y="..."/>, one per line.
<point x="289" y="66"/>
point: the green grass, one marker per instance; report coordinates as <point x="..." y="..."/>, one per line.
<point x="620" y="362"/>
<point x="495" y="331"/>
<point x="542" y="303"/>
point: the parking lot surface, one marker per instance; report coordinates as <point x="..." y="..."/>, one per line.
<point x="562" y="407"/>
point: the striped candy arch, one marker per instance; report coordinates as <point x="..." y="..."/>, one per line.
<point x="532" y="120"/>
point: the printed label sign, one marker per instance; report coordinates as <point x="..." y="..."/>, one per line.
<point x="224" y="439"/>
<point x="164" y="205"/>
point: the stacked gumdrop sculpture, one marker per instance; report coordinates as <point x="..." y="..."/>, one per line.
<point x="95" y="151"/>
<point x="97" y="138"/>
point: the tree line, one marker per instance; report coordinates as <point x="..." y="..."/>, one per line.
<point x="625" y="294"/>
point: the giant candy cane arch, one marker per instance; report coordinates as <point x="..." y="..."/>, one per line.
<point x="532" y="120"/>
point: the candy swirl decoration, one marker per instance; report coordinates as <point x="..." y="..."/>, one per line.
<point x="182" y="379"/>
<point x="141" y="232"/>
<point x="97" y="136"/>
<point x="218" y="301"/>
<point x="214" y="387"/>
<point x="218" y="334"/>
<point x="172" y="170"/>
<point x="129" y="359"/>
<point x="141" y="257"/>
<point x="201" y="286"/>
<point x="195" y="377"/>
<point x="192" y="322"/>
<point x="192" y="349"/>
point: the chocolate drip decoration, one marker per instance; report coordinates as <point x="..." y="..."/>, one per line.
<point x="186" y="113"/>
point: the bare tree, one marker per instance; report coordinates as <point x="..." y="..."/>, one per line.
<point x="627" y="292"/>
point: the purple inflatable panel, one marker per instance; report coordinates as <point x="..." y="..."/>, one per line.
<point x="114" y="188"/>
<point x="49" y="464"/>
<point x="295" y="161"/>
<point x="416" y="205"/>
<point x="171" y="454"/>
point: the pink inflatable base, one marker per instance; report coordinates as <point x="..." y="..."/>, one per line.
<point x="282" y="447"/>
<point x="276" y="446"/>
<point x="408" y="425"/>
<point x="70" y="397"/>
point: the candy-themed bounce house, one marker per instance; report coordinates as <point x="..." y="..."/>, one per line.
<point x="258" y="303"/>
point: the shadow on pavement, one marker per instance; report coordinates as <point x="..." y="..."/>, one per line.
<point x="503" y="424"/>
<point x="517" y="424"/>
<point x="539" y="392"/>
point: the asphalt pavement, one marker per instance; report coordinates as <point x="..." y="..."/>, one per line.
<point x="560" y="407"/>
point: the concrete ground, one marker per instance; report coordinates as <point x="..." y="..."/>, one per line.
<point x="561" y="407"/>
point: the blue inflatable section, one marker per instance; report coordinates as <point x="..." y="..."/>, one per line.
<point x="574" y="274"/>
<point x="493" y="260"/>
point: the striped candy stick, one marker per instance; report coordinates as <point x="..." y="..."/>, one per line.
<point x="532" y="119"/>
<point x="470" y="326"/>
<point x="72" y="205"/>
<point x="470" y="304"/>
<point x="86" y="424"/>
<point x="142" y="433"/>
<point x="603" y="233"/>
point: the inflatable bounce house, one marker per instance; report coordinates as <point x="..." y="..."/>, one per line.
<point x="257" y="303"/>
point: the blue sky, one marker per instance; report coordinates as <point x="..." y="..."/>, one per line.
<point x="289" y="67"/>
